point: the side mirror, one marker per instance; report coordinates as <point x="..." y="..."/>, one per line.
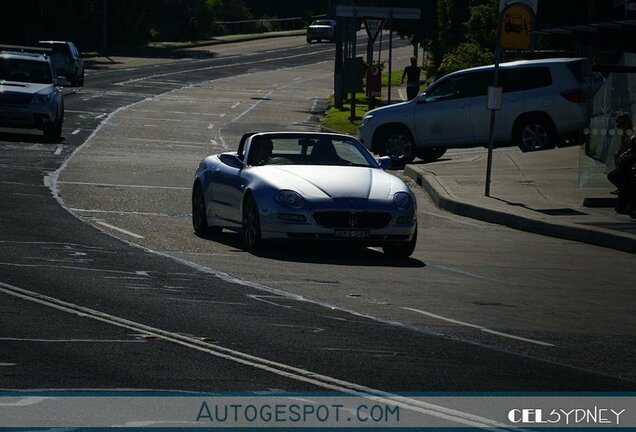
<point x="231" y="160"/>
<point x="421" y="98"/>
<point x="385" y="162"/>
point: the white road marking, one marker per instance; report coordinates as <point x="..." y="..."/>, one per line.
<point x="476" y="326"/>
<point x="214" y="142"/>
<point x="281" y="369"/>
<point x="170" y="142"/>
<point x="58" y="150"/>
<point x="75" y="132"/>
<point x="235" y="105"/>
<point x="30" y="195"/>
<point x="46" y="181"/>
<point x="211" y="126"/>
<point x="102" y="115"/>
<point x="21" y="184"/>
<point x="121" y="230"/>
<point x="237" y="118"/>
<point x="121" y="212"/>
<point x="123" y="185"/>
<point x="8" y="364"/>
<point x="13" y="339"/>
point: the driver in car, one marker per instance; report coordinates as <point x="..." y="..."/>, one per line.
<point x="260" y="151"/>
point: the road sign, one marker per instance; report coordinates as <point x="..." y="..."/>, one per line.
<point x="517" y="21"/>
<point x="374" y="27"/>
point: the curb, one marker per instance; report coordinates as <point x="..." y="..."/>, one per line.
<point x="596" y="237"/>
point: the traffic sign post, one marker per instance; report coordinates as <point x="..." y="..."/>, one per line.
<point x="374" y="20"/>
<point x="514" y="31"/>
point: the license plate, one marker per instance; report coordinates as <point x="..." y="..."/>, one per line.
<point x="351" y="234"/>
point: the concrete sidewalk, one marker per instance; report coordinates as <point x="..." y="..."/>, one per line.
<point x="536" y="192"/>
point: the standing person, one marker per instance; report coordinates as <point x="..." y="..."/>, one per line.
<point x="412" y="74"/>
<point x="624" y="176"/>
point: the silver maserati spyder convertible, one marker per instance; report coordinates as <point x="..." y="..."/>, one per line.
<point x="304" y="186"/>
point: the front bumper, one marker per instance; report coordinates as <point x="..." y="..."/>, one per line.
<point x="276" y="224"/>
<point x="32" y="117"/>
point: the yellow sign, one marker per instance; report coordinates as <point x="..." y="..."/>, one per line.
<point x="516" y="27"/>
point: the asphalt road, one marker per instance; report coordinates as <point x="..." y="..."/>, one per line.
<point x="104" y="285"/>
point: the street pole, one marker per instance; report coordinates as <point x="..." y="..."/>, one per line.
<point x="104" y="25"/>
<point x="353" y="54"/>
<point x="390" y="54"/>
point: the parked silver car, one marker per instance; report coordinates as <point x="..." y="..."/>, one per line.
<point x="29" y="94"/>
<point x="66" y="60"/>
<point x="304" y="186"/>
<point x="543" y="100"/>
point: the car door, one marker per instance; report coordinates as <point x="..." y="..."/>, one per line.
<point x="442" y="114"/>
<point x="226" y="188"/>
<point x="513" y="81"/>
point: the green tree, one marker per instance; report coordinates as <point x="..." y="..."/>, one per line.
<point x="466" y="55"/>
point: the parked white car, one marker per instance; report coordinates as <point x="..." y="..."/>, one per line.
<point x="543" y="100"/>
<point x="29" y="93"/>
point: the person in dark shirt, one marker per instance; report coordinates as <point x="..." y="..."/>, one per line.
<point x="624" y="176"/>
<point x="412" y="74"/>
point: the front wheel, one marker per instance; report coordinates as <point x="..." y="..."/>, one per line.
<point x="251" y="226"/>
<point x="199" y="214"/>
<point x="430" y="154"/>
<point x="534" y="134"/>
<point x="401" y="250"/>
<point x="53" y="131"/>
<point x="399" y="146"/>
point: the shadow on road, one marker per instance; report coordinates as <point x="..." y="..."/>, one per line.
<point x="319" y="252"/>
<point x="27" y="138"/>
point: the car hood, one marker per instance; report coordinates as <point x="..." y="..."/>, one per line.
<point x="332" y="181"/>
<point x="390" y="108"/>
<point x="22" y="87"/>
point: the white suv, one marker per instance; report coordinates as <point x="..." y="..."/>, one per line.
<point x="29" y="94"/>
<point x="543" y="100"/>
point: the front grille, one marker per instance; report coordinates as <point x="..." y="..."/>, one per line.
<point x="14" y="99"/>
<point x="351" y="219"/>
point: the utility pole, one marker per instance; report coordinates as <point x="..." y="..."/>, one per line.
<point x="104" y="25"/>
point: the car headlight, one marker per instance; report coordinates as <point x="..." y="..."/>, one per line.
<point x="42" y="99"/>
<point x="403" y="201"/>
<point x="290" y="198"/>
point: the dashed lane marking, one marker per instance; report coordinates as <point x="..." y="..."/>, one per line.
<point x="121" y="230"/>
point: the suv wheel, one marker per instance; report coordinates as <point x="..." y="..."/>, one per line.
<point x="399" y="146"/>
<point x="53" y="131"/>
<point x="534" y="133"/>
<point x="430" y="154"/>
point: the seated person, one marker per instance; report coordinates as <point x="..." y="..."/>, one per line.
<point x="324" y="153"/>
<point x="260" y="151"/>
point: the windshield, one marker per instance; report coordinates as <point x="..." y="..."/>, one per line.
<point x="322" y="22"/>
<point x="25" y="71"/>
<point x="308" y="150"/>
